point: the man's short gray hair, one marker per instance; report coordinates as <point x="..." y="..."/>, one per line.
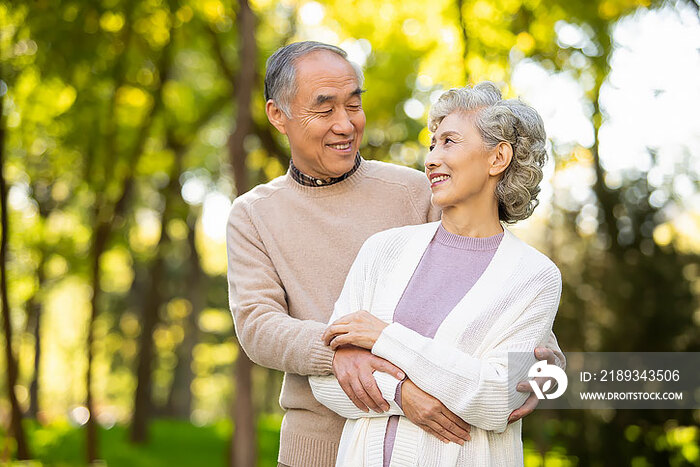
<point x="503" y="120"/>
<point x="280" y="71"/>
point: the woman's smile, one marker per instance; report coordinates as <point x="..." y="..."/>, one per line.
<point x="438" y="179"/>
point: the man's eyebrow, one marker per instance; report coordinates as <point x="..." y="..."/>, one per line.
<point x="322" y="99"/>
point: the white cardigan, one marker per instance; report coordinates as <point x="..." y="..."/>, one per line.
<point x="511" y="308"/>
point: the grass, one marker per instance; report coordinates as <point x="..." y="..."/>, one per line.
<point x="171" y="443"/>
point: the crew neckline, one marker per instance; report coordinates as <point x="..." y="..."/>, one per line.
<point x="331" y="189"/>
<point x="461" y="242"/>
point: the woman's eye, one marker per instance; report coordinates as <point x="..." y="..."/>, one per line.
<point x="448" y="140"/>
<point x="432" y="146"/>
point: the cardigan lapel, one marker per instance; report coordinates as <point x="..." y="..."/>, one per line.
<point x="489" y="285"/>
<point x="409" y="257"/>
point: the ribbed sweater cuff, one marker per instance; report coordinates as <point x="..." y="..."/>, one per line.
<point x="298" y="450"/>
<point x="321" y="358"/>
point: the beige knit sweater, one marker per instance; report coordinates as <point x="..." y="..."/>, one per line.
<point x="289" y="250"/>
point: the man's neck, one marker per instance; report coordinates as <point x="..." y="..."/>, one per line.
<point x="309" y="180"/>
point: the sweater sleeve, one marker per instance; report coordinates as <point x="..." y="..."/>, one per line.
<point x="328" y="392"/>
<point x="355" y="296"/>
<point x="477" y="390"/>
<point x="257" y="298"/>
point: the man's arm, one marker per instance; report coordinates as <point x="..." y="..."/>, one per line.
<point x="551" y="352"/>
<point x="266" y="332"/>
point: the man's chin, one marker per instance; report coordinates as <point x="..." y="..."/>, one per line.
<point x="341" y="167"/>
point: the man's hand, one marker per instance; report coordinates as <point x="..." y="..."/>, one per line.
<point x="353" y="368"/>
<point x="431" y="415"/>
<point x="541" y="353"/>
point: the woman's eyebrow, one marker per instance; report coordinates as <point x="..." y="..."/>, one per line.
<point x="447" y="133"/>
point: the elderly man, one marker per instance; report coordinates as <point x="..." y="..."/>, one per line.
<point x="291" y="243"/>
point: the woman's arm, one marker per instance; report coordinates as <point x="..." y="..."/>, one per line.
<point x="479" y="390"/>
<point x="328" y="392"/>
<point x="354" y="296"/>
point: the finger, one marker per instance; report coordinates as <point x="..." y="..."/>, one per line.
<point x="543" y="353"/>
<point x="457" y="421"/>
<point x="340" y="340"/>
<point x="379" y="364"/>
<point x="364" y="397"/>
<point x="525" y="410"/>
<point x="371" y="388"/>
<point x="350" y="392"/>
<point x="460" y="433"/>
<point x="334" y="330"/>
<point x="444" y="432"/>
<point x="524" y="386"/>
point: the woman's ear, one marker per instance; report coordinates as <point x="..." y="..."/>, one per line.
<point x="277" y="118"/>
<point x="500" y="159"/>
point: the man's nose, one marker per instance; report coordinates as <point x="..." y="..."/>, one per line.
<point x="342" y="124"/>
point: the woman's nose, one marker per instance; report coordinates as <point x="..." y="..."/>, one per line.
<point x="431" y="162"/>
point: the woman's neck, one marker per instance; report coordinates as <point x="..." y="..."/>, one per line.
<point x="477" y="220"/>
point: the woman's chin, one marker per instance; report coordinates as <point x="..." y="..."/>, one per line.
<point x="439" y="201"/>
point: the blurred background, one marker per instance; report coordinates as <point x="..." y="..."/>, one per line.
<point x="127" y="127"/>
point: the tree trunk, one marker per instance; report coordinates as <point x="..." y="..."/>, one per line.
<point x="15" y="413"/>
<point x="243" y="448"/>
<point x="103" y="222"/>
<point x="142" y="397"/>
<point x="35" y="308"/>
<point x="180" y="397"/>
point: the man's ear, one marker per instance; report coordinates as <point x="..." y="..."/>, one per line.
<point x="276" y="116"/>
<point x="500" y="158"/>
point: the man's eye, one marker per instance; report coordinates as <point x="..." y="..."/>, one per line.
<point x="354" y="107"/>
<point x="325" y="112"/>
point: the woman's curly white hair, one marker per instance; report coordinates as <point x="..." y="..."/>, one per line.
<point x="503" y="120"/>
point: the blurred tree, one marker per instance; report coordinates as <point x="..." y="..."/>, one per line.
<point x="180" y="397"/>
<point x="243" y="82"/>
<point x="15" y="411"/>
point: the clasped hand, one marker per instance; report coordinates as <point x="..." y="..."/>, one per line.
<point x="361" y="329"/>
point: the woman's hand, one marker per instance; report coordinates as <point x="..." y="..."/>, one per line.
<point x="361" y="329"/>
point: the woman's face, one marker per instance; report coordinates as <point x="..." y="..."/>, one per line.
<point x="458" y="163"/>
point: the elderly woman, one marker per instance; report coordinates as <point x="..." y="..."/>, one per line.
<point x="460" y="294"/>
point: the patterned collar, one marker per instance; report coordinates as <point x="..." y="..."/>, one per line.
<point x="308" y="180"/>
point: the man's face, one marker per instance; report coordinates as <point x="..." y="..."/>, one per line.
<point x="327" y="122"/>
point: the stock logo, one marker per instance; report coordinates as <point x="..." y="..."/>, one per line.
<point x="543" y="370"/>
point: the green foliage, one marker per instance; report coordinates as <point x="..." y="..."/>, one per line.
<point x="114" y="99"/>
<point x="173" y="443"/>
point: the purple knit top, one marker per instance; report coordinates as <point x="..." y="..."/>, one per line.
<point x="450" y="266"/>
